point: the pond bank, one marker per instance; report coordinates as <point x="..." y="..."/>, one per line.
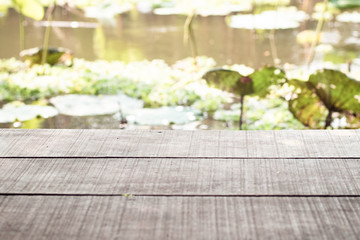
<point x="115" y="92"/>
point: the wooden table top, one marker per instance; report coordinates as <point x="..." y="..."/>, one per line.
<point x="114" y="184"/>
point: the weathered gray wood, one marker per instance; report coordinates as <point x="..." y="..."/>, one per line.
<point x="117" y="143"/>
<point x="202" y="184"/>
<point x="59" y="217"/>
<point x="181" y="176"/>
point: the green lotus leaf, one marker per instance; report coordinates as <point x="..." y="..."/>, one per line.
<point x="61" y="56"/>
<point x="256" y="83"/>
<point x="327" y="91"/>
<point x="345" y="4"/>
<point x="11" y="113"/>
<point x="163" y="116"/>
<point x="305" y="105"/>
<point x="3" y="9"/>
<point x="264" y="78"/>
<point x="338" y="92"/>
<point x="230" y="81"/>
<point x="29" y="8"/>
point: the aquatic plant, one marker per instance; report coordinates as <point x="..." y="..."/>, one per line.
<point x="326" y="93"/>
<point x="257" y="83"/>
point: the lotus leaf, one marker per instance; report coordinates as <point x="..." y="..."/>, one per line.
<point x="338" y="57"/>
<point x="256" y="83"/>
<point x="30" y="8"/>
<point x="337" y="91"/>
<point x="326" y="92"/>
<point x="164" y="116"/>
<point x="345" y="4"/>
<point x="265" y="77"/>
<point x="54" y="56"/>
<point x="3" y="9"/>
<point x="305" y="105"/>
<point x="85" y="105"/>
<point x="283" y="18"/>
<point x="230" y="81"/>
<point x="26" y="112"/>
<point x="351" y="17"/>
<point x="128" y="105"/>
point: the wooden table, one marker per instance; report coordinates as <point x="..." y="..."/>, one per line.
<point x="113" y="184"/>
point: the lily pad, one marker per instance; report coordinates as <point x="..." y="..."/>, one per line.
<point x="339" y="56"/>
<point x="164" y="116"/>
<point x="353" y="42"/>
<point x="85" y="105"/>
<point x="88" y="105"/>
<point x="29" y="8"/>
<point x="169" y="11"/>
<point x="128" y="105"/>
<point x="345" y="4"/>
<point x="106" y="9"/>
<point x="61" y="56"/>
<point x="349" y="17"/>
<point x="271" y="2"/>
<point x="280" y="19"/>
<point x="26" y="112"/>
<point x="202" y="8"/>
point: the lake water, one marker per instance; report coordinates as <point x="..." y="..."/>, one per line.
<point x="134" y="36"/>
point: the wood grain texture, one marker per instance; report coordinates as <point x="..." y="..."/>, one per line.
<point x="58" y="217"/>
<point x="180" y="176"/>
<point x="237" y="144"/>
<point x="70" y="184"/>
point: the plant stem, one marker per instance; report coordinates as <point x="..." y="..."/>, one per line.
<point x="273" y="48"/>
<point x="242" y="97"/>
<point x="22" y="31"/>
<point x="50" y="12"/>
<point x="328" y="119"/>
<point x="189" y="35"/>
<point x="319" y="28"/>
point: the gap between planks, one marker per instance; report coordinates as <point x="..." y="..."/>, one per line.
<point x="129" y="195"/>
<point x="180" y="157"/>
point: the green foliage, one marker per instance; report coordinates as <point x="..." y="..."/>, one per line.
<point x="230" y="81"/>
<point x="54" y="56"/>
<point x="337" y="91"/>
<point x="256" y="83"/>
<point x="305" y="105"/>
<point x="267" y="114"/>
<point x="266" y="77"/>
<point x="325" y="93"/>
<point x="346" y="4"/>
<point x="30" y="8"/>
<point x="156" y="83"/>
<point x="338" y="57"/>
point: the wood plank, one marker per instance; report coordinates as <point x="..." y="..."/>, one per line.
<point x="180" y="176"/>
<point x="58" y="217"/>
<point x="118" y="143"/>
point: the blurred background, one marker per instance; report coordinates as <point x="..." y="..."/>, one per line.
<point x="145" y="64"/>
